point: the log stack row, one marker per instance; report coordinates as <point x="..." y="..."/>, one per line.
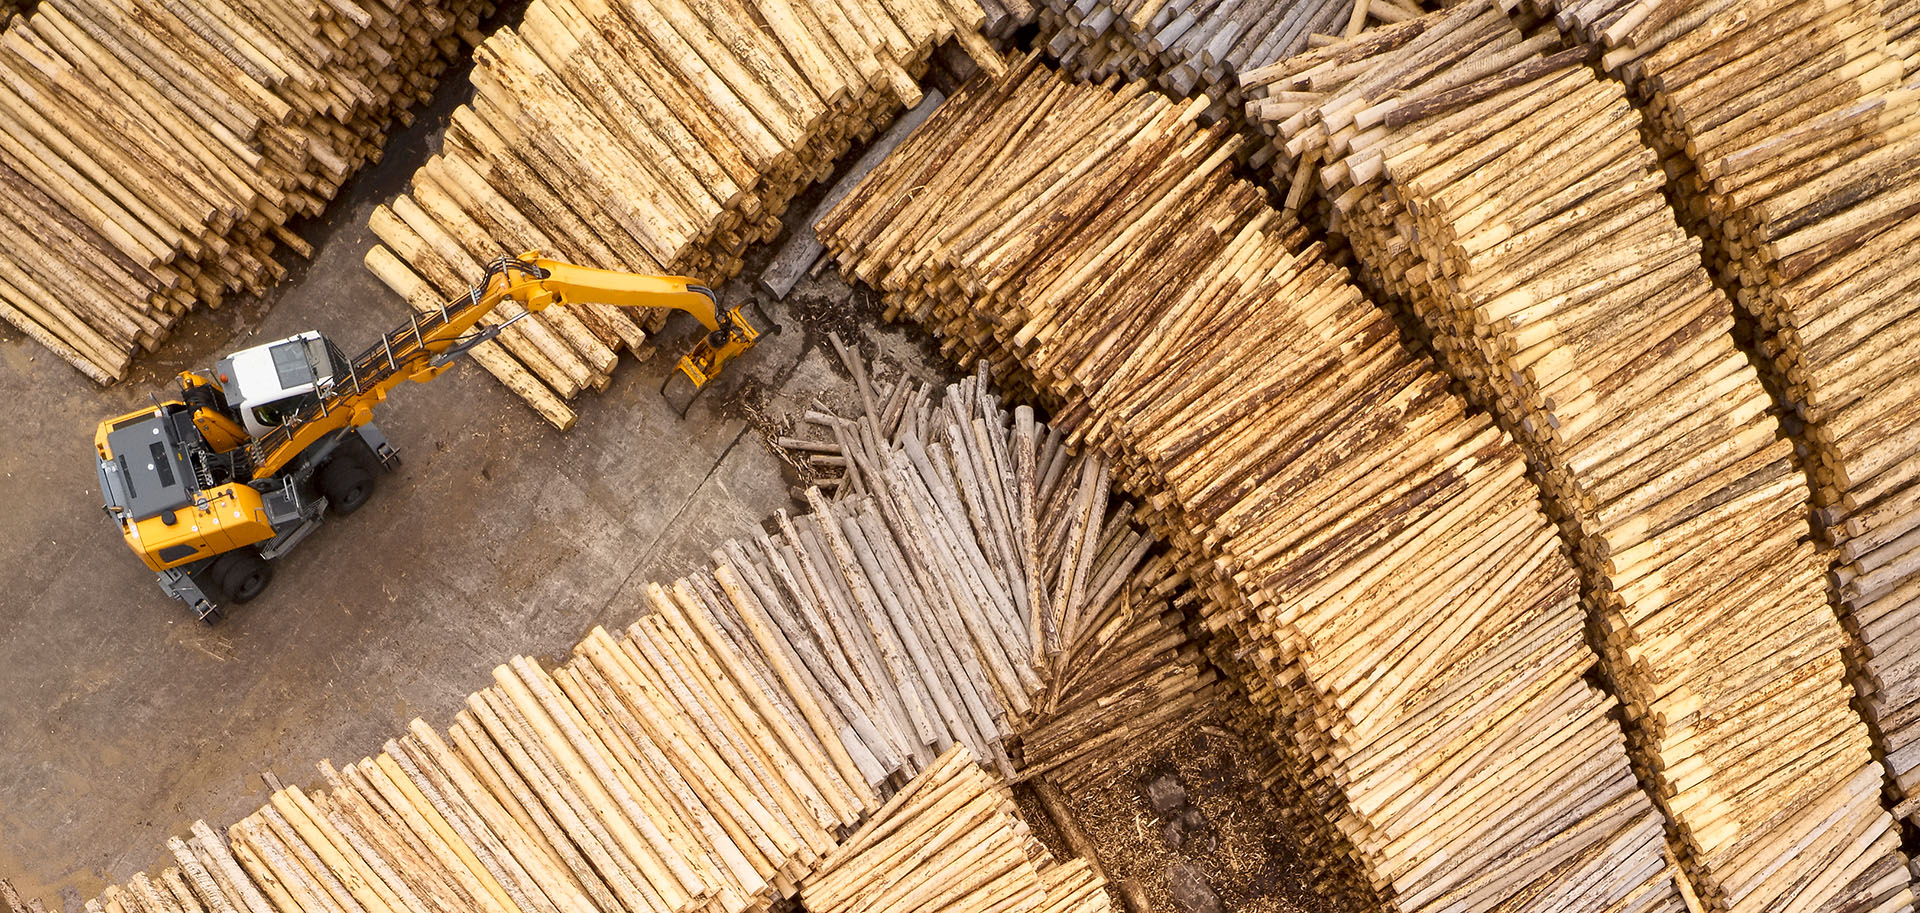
<point x="473" y="822"/>
<point x="951" y="840"/>
<point x="1190" y="47"/>
<point x="1795" y="159"/>
<point x="1372" y="559"/>
<point x="1101" y="665"/>
<point x="1504" y="194"/>
<point x="653" y="772"/>
<point x="153" y="154"/>
<point x="652" y="136"/>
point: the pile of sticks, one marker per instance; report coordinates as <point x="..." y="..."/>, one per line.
<point x="951" y="840"/>
<point x="650" y="136"/>
<point x="1504" y="195"/>
<point x="1796" y="162"/>
<point x="1372" y="560"/>
<point x="152" y="154"/>
<point x="1100" y="664"/>
<point x="1191" y="47"/>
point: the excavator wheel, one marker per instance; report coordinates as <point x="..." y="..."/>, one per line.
<point x="346" y="481"/>
<point x="240" y="575"/>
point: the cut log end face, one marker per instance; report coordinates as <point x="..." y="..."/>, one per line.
<point x="134" y="187"/>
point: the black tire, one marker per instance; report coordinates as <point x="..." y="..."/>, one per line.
<point x="346" y="482"/>
<point x="241" y="575"/>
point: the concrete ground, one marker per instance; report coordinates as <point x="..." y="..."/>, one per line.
<point x="122" y="719"/>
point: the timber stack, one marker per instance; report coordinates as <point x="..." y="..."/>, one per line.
<point x="653" y="772"/>
<point x="153" y="155"/>
<point x="1097" y="664"/>
<point x="951" y="840"/>
<point x="1503" y="194"/>
<point x="1798" y="161"/>
<point x="1197" y="47"/>
<point x="1371" y="558"/>
<point x="650" y="136"/>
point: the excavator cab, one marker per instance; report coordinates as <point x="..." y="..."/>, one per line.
<point x="211" y="487"/>
<point x="271" y="383"/>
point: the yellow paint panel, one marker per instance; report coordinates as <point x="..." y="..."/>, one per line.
<point x="233" y="518"/>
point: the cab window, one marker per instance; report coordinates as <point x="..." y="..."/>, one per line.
<point x="276" y="413"/>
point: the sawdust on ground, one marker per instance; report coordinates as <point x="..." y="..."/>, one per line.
<point x="1252" y="859"/>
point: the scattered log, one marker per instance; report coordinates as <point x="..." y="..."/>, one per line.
<point x="1068" y="653"/>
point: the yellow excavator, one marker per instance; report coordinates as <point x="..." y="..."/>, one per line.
<point x="211" y="487"/>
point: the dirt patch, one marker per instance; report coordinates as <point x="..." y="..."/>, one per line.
<point x="1227" y="826"/>
<point x="831" y="306"/>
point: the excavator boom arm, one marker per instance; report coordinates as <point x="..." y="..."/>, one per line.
<point x="413" y="351"/>
<point x="566" y="282"/>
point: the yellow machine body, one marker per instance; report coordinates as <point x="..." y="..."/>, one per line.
<point x="200" y="476"/>
<point x="715" y="349"/>
<point x="232" y="516"/>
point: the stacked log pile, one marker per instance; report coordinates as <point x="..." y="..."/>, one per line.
<point x="951" y="840"/>
<point x="655" y="772"/>
<point x="1795" y="161"/>
<point x="1372" y="558"/>
<point x="1193" y="47"/>
<point x="153" y="154"/>
<point x="1505" y="195"/>
<point x="466" y="824"/>
<point x="651" y="136"/>
<point x="1101" y="665"/>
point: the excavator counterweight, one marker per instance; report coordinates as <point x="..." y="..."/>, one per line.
<point x="208" y="488"/>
